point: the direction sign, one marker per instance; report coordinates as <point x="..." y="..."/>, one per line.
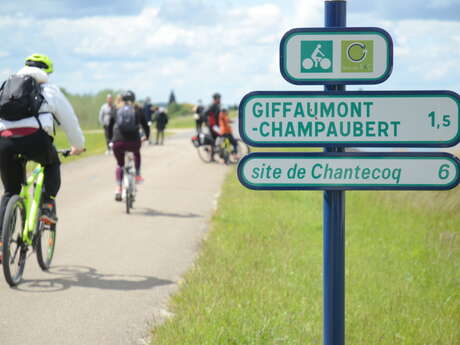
<point x="349" y="171"/>
<point x="350" y="118"/>
<point x="336" y="56"/>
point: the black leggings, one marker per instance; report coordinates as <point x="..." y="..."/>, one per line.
<point x="232" y="141"/>
<point x="36" y="147"/>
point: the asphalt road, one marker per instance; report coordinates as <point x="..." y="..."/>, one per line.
<point x="112" y="273"/>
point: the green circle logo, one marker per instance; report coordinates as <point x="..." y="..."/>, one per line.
<point x="356" y="52"/>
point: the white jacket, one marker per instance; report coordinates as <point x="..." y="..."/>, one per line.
<point x="55" y="103"/>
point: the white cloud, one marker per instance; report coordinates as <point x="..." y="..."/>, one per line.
<point x="153" y="51"/>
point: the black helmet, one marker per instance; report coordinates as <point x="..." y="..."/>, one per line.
<point x="128" y="96"/>
<point x="216" y="95"/>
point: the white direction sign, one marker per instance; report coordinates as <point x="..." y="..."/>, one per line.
<point x="353" y="118"/>
<point x="349" y="171"/>
<point x="336" y="56"/>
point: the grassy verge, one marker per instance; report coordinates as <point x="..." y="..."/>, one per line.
<point x="95" y="144"/>
<point x="188" y="121"/>
<point x="179" y="122"/>
<point x="258" y="279"/>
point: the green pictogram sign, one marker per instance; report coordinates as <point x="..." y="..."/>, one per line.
<point x="336" y="56"/>
<point x="316" y="56"/>
<point x="357" y="56"/>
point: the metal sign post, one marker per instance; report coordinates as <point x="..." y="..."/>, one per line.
<point x="334" y="224"/>
<point x="335" y="119"/>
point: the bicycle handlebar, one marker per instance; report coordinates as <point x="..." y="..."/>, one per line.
<point x="66" y="152"/>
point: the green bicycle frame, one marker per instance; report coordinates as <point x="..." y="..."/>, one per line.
<point x="32" y="201"/>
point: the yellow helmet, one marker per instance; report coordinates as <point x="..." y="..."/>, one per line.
<point x="40" y="61"/>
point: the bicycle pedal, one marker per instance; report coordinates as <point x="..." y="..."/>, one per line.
<point x="47" y="221"/>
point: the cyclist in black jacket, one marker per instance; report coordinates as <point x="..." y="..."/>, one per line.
<point x="130" y="141"/>
<point x="211" y="115"/>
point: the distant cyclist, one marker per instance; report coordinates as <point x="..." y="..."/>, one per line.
<point x="226" y="130"/>
<point x="31" y="135"/>
<point x="211" y="115"/>
<point x="124" y="134"/>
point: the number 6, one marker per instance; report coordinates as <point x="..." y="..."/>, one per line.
<point x="443" y="172"/>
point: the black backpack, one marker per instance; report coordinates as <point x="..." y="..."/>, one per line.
<point x="126" y="119"/>
<point x="20" y="97"/>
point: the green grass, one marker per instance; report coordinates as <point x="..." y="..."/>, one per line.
<point x="188" y="121"/>
<point x="180" y="122"/>
<point x="95" y="144"/>
<point x="258" y="279"/>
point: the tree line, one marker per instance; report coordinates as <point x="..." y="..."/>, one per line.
<point x="87" y="106"/>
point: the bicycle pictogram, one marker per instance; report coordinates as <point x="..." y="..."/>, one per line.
<point x="316" y="56"/>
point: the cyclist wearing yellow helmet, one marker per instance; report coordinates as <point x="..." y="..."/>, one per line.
<point x="32" y="136"/>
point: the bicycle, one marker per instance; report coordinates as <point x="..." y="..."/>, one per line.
<point x="129" y="183"/>
<point x="22" y="228"/>
<point x="222" y="146"/>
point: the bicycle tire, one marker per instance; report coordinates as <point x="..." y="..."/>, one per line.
<point x="132" y="192"/>
<point x="205" y="153"/>
<point x="12" y="234"/>
<point x="128" y="199"/>
<point x="45" y="252"/>
<point x="243" y="150"/>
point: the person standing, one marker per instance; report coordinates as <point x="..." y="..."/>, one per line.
<point x="148" y="110"/>
<point x="161" y="120"/>
<point x="106" y="113"/>
<point x="199" y="116"/>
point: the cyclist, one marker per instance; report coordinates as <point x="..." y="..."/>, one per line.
<point x="317" y="55"/>
<point x="33" y="138"/>
<point x="226" y="129"/>
<point x="211" y="114"/>
<point x="124" y="134"/>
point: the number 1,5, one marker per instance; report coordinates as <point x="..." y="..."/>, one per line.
<point x="445" y="121"/>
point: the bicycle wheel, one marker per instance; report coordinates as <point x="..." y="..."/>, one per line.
<point x="131" y="191"/>
<point x="14" y="250"/>
<point x="205" y="153"/>
<point x="128" y="199"/>
<point x="243" y="150"/>
<point x="45" y="240"/>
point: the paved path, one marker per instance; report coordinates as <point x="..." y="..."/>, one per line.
<point x="112" y="272"/>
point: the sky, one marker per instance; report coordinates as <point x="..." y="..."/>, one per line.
<point x="198" y="47"/>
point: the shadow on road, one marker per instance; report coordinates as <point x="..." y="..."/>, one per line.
<point x="146" y="211"/>
<point x="67" y="277"/>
